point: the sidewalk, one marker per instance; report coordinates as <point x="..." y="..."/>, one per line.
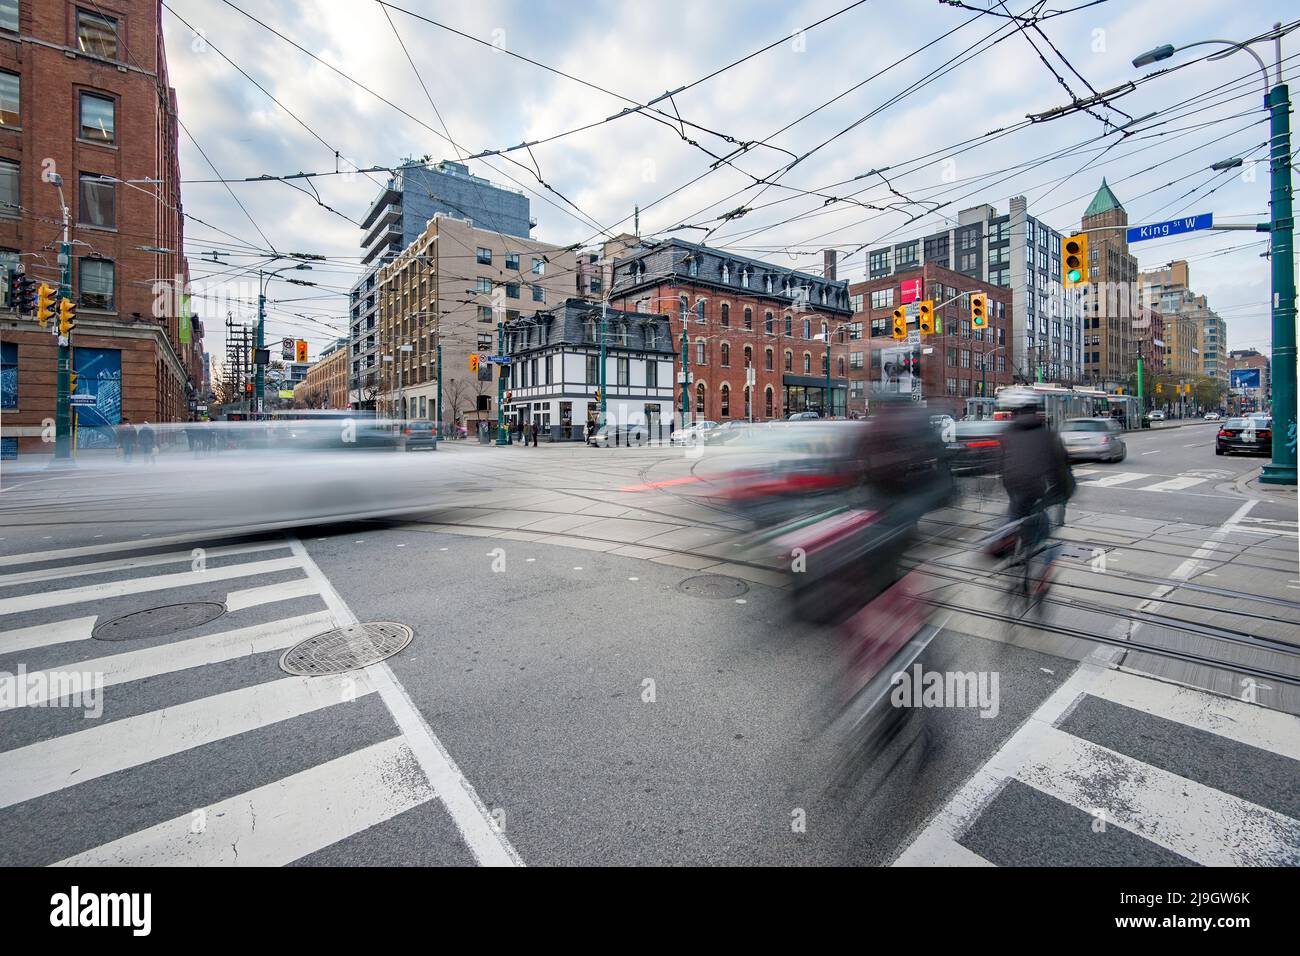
<point x="1248" y="484"/>
<point x="1179" y="423"/>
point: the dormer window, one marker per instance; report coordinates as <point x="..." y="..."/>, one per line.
<point x="744" y="278"/>
<point x="767" y="284"/>
<point x="695" y="265"/>
<point x="726" y="273"/>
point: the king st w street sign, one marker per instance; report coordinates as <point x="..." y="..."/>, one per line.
<point x="1172" y="228"/>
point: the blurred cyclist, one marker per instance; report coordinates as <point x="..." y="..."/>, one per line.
<point x="1035" y="470"/>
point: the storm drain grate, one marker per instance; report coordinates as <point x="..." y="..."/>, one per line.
<point x="346" y="649"/>
<point x="158" y="621"/>
<point x="713" y="586"/>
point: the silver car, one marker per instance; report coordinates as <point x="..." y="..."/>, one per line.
<point x="1093" y="439"/>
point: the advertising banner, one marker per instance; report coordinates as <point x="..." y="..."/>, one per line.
<point x="99" y="374"/>
<point x="1245" y="378"/>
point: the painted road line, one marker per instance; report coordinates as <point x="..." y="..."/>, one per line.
<point x="51" y="765"/>
<point x="480" y="833"/>
<point x="1176" y="484"/>
<point x="1117" y="478"/>
<point x="127" y="564"/>
<point x="140" y="544"/>
<point x="43" y="635"/>
<point x="43" y="685"/>
<point x="269" y="593"/>
<point x="1228" y="717"/>
<point x="274" y="825"/>
<point x="1185" y="570"/>
<point x="1185" y="817"/>
<point x="1156" y="452"/>
<point x="158" y="582"/>
<point x="1080" y="472"/>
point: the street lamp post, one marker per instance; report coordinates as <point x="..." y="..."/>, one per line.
<point x="1281" y="227"/>
<point x="984" y="362"/>
<point x="263" y="278"/>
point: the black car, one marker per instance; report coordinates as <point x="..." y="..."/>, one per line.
<point x="976" y="448"/>
<point x="1253" y="435"/>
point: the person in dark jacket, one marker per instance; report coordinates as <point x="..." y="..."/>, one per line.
<point x="126" y="440"/>
<point x="148" y="445"/>
<point x="1035" y="470"/>
<point x="534" y="433"/>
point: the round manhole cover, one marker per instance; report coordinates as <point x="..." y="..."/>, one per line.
<point x="346" y="649"/>
<point x="158" y="621"/>
<point x="713" y="586"/>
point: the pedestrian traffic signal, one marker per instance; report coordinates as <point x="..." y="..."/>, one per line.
<point x="67" y="315"/>
<point x="979" y="315"/>
<point x="900" y="323"/>
<point x="1076" y="260"/>
<point x="44" y="304"/>
<point x="473" y="361"/>
<point x="72" y="382"/>
<point x="925" y="317"/>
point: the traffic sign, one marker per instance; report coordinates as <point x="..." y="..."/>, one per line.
<point x="499" y="359"/>
<point x="86" y="399"/>
<point x="1171" y="228"/>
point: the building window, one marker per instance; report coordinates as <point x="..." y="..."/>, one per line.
<point x="726" y="315"/>
<point x="768" y="357"/>
<point x="807" y="328"/>
<point x="724" y="394"/>
<point x="98" y="118"/>
<point x="95" y="283"/>
<point x="882" y="299"/>
<point x="484" y="341"/>
<point x="768" y="323"/>
<point x="512" y="261"/>
<point x="8" y="375"/>
<point x="621" y="366"/>
<point x="855" y="302"/>
<point x="744" y="278"/>
<point x="807" y="363"/>
<point x="10" y="99"/>
<point x="512" y="290"/>
<point x="651" y="374"/>
<point x="950" y="386"/>
<point x="539" y="294"/>
<point x="749" y="318"/>
<point x="10" y="198"/>
<point x="97" y="35"/>
<point x="789" y="325"/>
<point x="855" y="360"/>
<point x="485" y="313"/>
<point x="699" y="398"/>
<point x="98" y="202"/>
<point x="749" y="357"/>
<point x="726" y="355"/>
<point x="593" y="369"/>
<point x="701" y="356"/>
<point x="789" y="360"/>
<point x="483" y="257"/>
<point x="9" y="15"/>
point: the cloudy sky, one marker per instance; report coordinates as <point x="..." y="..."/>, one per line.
<point x="472" y="89"/>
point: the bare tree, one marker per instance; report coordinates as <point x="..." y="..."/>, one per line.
<point x="455" y="396"/>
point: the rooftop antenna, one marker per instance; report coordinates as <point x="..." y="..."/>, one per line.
<point x="636" y="221"/>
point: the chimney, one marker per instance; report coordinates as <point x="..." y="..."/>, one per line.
<point x="829" y="259"/>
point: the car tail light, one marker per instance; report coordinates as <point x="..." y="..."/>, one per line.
<point x="406" y="431"/>
<point x="983" y="444"/>
<point x="1266" y="433"/>
<point x="1224" y="433"/>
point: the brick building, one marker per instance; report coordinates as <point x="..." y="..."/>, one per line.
<point x="325" y="384"/>
<point x="1111" y="297"/>
<point x="743" y="313"/>
<point x="84" y="93"/>
<point x="1249" y="391"/>
<point x="965" y="361"/>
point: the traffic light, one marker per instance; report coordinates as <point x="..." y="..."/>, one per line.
<point x="22" y="294"/>
<point x="67" y="315"/>
<point x="473" y="361"/>
<point x="597" y="394"/>
<point x="1159" y="388"/>
<point x="900" y="323"/>
<point x="979" y="310"/>
<point x="300" y="351"/>
<point x="925" y="317"/>
<point x="508" y="394"/>
<point x="1076" y="260"/>
<point x="72" y="382"/>
<point x="15" y="289"/>
<point x="44" y="304"/>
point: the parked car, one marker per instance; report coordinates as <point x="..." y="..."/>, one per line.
<point x="726" y="432"/>
<point x="1093" y="439"/>
<point x="1251" y="435"/>
<point x="976" y="448"/>
<point x="1157" y="416"/>
<point x="416" y="435"/>
<point x="803" y="416"/>
<point x="691" y="433"/>
<point x="1211" y="416"/>
<point x="637" y="435"/>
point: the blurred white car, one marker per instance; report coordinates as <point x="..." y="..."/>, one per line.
<point x="1157" y="416"/>
<point x="1211" y="416"/>
<point x="691" y="433"/>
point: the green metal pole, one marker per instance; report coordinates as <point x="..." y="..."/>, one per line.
<point x="686" y="378"/>
<point x="829" y="407"/>
<point x="501" y="387"/>
<point x="1282" y="469"/>
<point x="1142" y="396"/>
<point x="63" y="388"/>
<point x="259" y="374"/>
<point x="604" y="323"/>
<point x="442" y="418"/>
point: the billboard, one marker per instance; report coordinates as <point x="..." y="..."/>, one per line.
<point x="99" y="373"/>
<point x="909" y="291"/>
<point x="1245" y="378"/>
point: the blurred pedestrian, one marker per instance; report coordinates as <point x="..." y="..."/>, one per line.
<point x="535" y="431"/>
<point x="126" y="440"/>
<point x="147" y="442"/>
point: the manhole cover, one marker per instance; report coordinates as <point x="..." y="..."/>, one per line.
<point x="158" y="621"/>
<point x="713" y="586"/>
<point x="346" y="649"/>
<point x="1079" y="552"/>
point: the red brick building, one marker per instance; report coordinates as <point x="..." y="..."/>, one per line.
<point x="84" y="94"/>
<point x="952" y="372"/>
<point x="742" y="313"/>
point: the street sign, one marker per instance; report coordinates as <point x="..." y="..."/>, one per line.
<point x="499" y="359"/>
<point x="1171" y="228"/>
<point x="86" y="399"/>
<point x="913" y="337"/>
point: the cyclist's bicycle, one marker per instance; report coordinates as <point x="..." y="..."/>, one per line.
<point x="1028" y="556"/>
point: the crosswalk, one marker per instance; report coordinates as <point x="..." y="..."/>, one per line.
<point x="194" y="747"/>
<point x="1119" y="769"/>
<point x="1142" y="481"/>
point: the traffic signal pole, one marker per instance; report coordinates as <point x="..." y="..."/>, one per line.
<point x="502" y="439"/>
<point x="1282" y="469"/>
<point x="62" y="407"/>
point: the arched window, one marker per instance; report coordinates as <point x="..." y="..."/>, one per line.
<point x="699" y="398"/>
<point x="749" y="398"/>
<point x="840" y="366"/>
<point x="686" y="307"/>
<point x="589" y="330"/>
<point x="724" y="398"/>
<point x="768" y="323"/>
<point x="726" y="312"/>
<point x="726" y="355"/>
<point x="699" y="310"/>
<point x="807" y="363"/>
<point x="749" y="357"/>
<point x="826" y="332"/>
<point x="789" y="360"/>
<point x="651" y="336"/>
<point x="749" y="317"/>
<point x="744" y="277"/>
<point x="622" y="333"/>
<point x="767" y="360"/>
<point x="767" y="402"/>
<point x="807" y="328"/>
<point x="726" y="273"/>
<point x="789" y="324"/>
<point x="701" y="354"/>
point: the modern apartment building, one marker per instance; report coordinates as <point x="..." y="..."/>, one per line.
<point x="1014" y="251"/>
<point x="1199" y="345"/>
<point x="453" y="285"/>
<point x="84" y="93"/>
<point x="418" y="191"/>
<point x="743" y="314"/>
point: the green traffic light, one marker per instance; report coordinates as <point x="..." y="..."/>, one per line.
<point x="1075" y="275"/>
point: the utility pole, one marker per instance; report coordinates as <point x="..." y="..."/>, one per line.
<point x="686" y="378"/>
<point x="1282" y="469"/>
<point x="501" y="387"/>
<point x="63" y="386"/>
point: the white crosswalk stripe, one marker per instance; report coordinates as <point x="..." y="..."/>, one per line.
<point x="274" y="823"/>
<point x="1142" y="481"/>
<point x="1169" y="811"/>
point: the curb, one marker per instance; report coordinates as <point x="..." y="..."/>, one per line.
<point x="1248" y="485"/>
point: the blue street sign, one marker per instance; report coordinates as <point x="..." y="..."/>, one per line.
<point x="1172" y="228"/>
<point x="499" y="359"/>
<point x="87" y="399"/>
